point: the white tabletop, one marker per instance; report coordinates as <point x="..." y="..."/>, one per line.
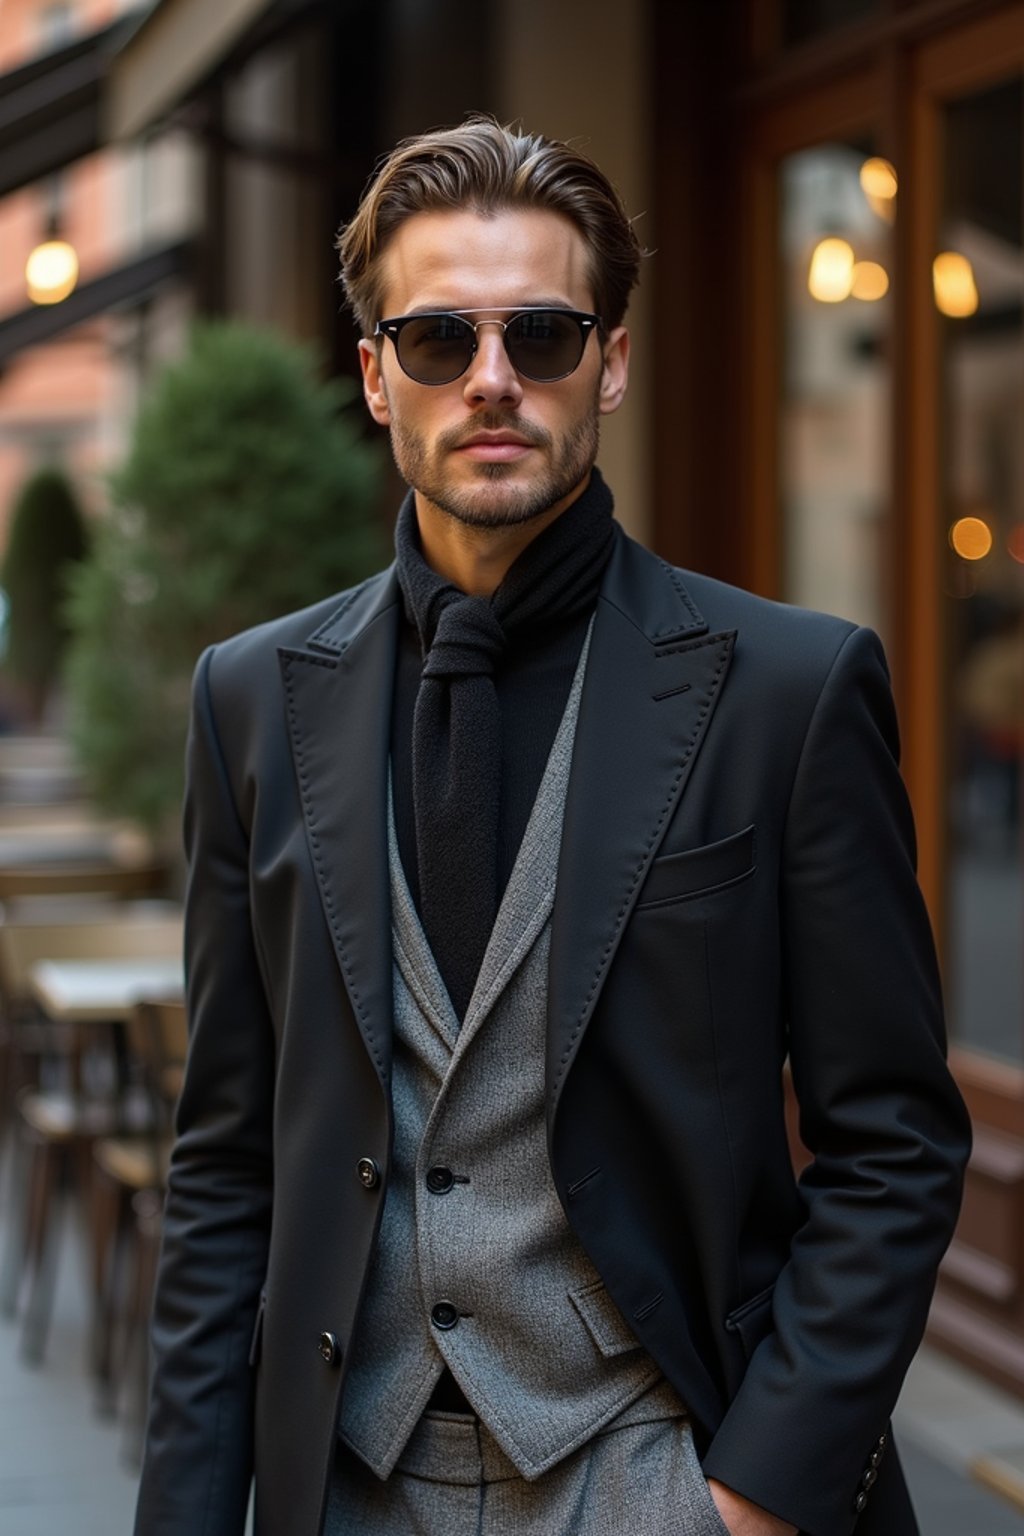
<point x="80" y="991"/>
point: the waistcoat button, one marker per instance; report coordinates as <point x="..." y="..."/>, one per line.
<point x="328" y="1348"/>
<point x="444" y="1315"/>
<point x="440" y="1180"/>
<point x="369" y="1173"/>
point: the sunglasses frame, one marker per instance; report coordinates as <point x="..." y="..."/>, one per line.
<point x="394" y="326"/>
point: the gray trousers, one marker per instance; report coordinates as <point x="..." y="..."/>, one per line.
<point x="453" y="1479"/>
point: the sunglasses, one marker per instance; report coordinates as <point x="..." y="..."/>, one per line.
<point x="542" y="344"/>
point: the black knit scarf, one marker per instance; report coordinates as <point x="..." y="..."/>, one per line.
<point x="456" y="738"/>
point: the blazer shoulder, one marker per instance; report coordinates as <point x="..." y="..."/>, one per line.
<point x="248" y="660"/>
<point x="725" y="606"/>
<point x="776" y="638"/>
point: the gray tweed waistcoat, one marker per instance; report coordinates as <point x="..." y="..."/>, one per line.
<point x="526" y="1326"/>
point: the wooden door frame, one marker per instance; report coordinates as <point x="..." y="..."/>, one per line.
<point x="906" y="68"/>
<point x="943" y="69"/>
<point x="849" y="104"/>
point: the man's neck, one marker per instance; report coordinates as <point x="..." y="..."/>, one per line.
<point x="474" y="559"/>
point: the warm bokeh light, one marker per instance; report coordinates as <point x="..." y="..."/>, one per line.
<point x="51" y="272"/>
<point x="879" y="183"/>
<point x="956" y="293"/>
<point x="870" y="280"/>
<point x="971" y="537"/>
<point x="831" y="276"/>
<point x="1015" y="543"/>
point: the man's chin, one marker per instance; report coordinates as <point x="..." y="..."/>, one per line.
<point x="495" y="505"/>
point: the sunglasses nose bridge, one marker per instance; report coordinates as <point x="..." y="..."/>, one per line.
<point x="488" y="361"/>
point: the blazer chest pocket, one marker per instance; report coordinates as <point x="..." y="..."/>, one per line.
<point x="698" y="871"/>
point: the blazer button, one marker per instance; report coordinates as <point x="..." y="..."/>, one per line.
<point x="329" y="1349"/>
<point x="369" y="1173"/>
<point x="860" y="1501"/>
<point x="869" y="1479"/>
<point x="440" y="1180"/>
<point x="444" y="1315"/>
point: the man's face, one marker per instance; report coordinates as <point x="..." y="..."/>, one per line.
<point x="492" y="448"/>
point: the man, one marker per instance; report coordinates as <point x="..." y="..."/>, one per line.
<point x="516" y="874"/>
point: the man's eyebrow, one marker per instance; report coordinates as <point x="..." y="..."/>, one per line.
<point x="487" y="309"/>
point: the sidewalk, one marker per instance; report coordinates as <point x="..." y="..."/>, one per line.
<point x="960" y="1440"/>
<point x="62" y="1472"/>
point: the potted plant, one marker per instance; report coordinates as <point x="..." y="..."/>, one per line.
<point x="47" y="537"/>
<point x="248" y="490"/>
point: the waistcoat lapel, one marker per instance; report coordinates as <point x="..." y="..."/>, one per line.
<point x="413" y="955"/>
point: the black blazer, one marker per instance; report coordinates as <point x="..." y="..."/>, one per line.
<point x="736" y="884"/>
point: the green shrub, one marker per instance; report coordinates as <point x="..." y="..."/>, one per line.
<point x="248" y="490"/>
<point x="47" y="535"/>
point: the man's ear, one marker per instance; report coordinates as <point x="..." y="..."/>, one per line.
<point x="615" y="371"/>
<point x="373" y="382"/>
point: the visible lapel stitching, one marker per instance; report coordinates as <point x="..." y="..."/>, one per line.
<point x="329" y="698"/>
<point x="725" y="643"/>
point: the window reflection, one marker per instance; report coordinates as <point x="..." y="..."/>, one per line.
<point x="983" y="535"/>
<point x="837" y="208"/>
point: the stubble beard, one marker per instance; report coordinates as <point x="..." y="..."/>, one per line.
<point x="491" y="502"/>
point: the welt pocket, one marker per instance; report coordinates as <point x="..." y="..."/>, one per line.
<point x="753" y="1320"/>
<point x="698" y="871"/>
<point x="605" y="1323"/>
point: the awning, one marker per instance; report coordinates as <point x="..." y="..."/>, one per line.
<point x="125" y="78"/>
<point x="128" y="284"/>
<point x="179" y="44"/>
<point x="50" y="108"/>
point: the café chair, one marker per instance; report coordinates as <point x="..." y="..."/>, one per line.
<point x="128" y="1190"/>
<point x="82" y="1095"/>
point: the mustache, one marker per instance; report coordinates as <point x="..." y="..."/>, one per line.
<point x="494" y="421"/>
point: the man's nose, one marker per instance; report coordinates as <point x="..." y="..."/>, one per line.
<point x="491" y="375"/>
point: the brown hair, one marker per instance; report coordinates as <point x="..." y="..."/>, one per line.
<point x="483" y="166"/>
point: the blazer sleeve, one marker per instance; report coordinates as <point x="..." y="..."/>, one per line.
<point x="198" y="1458"/>
<point x="879" y="1112"/>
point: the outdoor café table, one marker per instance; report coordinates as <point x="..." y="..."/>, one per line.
<point x="102" y="991"/>
<point x="29" y="845"/>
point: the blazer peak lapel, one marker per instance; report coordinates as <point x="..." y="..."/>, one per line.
<point x="653" y="679"/>
<point x="338" y="695"/>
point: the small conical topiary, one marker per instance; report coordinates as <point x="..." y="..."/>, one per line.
<point x="47" y="536"/>
<point x="248" y="490"/>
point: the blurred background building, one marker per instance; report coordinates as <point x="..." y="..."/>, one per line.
<point x="827" y="402"/>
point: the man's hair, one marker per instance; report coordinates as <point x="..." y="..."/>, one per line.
<point x="487" y="168"/>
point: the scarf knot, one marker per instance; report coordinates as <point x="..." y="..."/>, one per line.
<point x="468" y="642"/>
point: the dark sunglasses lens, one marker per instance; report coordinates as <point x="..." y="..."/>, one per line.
<point x="435" y="349"/>
<point x="545" y="344"/>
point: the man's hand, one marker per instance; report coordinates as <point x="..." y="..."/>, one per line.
<point x="742" y="1518"/>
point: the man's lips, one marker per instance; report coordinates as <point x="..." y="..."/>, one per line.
<point x="495" y="447"/>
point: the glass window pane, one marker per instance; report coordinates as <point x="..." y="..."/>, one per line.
<point x="806" y="19"/>
<point x="837" y="209"/>
<point x="978" y="280"/>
